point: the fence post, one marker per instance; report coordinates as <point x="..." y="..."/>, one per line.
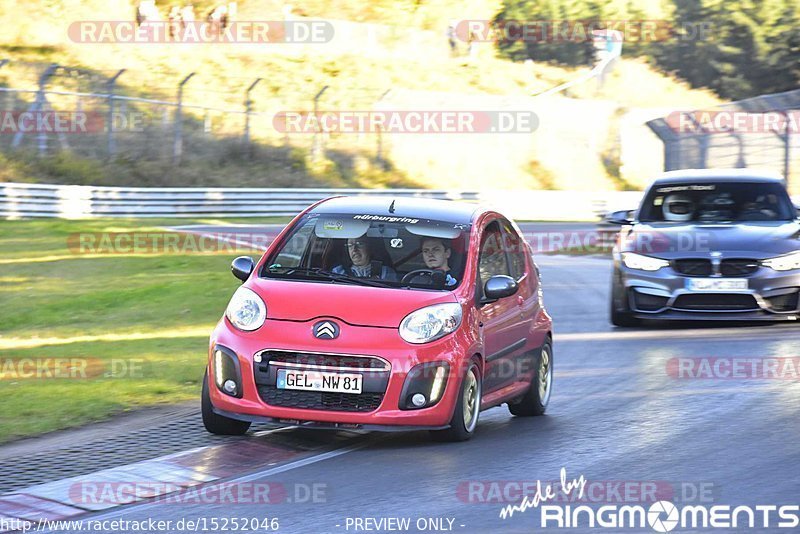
<point x="177" y="145"/>
<point x="3" y="63"/>
<point x="248" y="109"/>
<point x="112" y="147"/>
<point x="38" y="106"/>
<point x="379" y="156"/>
<point x="316" y="148"/>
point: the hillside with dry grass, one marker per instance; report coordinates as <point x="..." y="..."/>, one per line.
<point x="384" y="54"/>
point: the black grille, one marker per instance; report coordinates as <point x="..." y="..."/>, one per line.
<point x="783" y="303"/>
<point x="693" y="267"/>
<point x="645" y="302"/>
<point x="738" y="267"/>
<point x="313" y="400"/>
<point x="716" y="302"/>
<point x="328" y="360"/>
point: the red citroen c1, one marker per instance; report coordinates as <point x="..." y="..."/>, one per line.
<point x="380" y="314"/>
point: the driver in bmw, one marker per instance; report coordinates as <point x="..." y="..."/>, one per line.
<point x="678" y="208"/>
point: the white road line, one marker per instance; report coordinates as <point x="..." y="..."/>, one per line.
<point x="680" y="392"/>
<point x="754" y="333"/>
<point x="190" y="227"/>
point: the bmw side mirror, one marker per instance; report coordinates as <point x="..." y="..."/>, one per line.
<point x="619" y="217"/>
<point x="498" y="287"/>
<point x="242" y="266"/>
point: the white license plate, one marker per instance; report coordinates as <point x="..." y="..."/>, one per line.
<point x="319" y="381"/>
<point x="716" y="284"/>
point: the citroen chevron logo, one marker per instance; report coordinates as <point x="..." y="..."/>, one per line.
<point x="326" y="330"/>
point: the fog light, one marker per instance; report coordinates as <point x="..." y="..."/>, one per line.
<point x="257" y="358"/>
<point x="229" y="387"/>
<point x="418" y="400"/>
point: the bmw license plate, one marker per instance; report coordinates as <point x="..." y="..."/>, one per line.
<point x="717" y="284"/>
<point x="319" y="381"/>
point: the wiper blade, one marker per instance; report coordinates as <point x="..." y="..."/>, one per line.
<point x="328" y="275"/>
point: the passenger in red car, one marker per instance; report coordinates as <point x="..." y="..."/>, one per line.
<point x="436" y="254"/>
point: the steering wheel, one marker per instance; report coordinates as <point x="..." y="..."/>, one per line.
<point x="417" y="272"/>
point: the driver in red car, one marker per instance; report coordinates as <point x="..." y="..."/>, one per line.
<point x="436" y="254"/>
<point x="362" y="254"/>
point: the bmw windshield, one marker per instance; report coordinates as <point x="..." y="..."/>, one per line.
<point x="373" y="250"/>
<point x="718" y="202"/>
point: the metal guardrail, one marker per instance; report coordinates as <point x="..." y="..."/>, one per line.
<point x="18" y="200"/>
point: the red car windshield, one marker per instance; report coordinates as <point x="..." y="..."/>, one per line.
<point x="374" y="249"/>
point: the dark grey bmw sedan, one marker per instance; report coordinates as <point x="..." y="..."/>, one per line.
<point x="708" y="245"/>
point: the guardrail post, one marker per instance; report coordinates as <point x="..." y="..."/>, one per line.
<point x="248" y="109"/>
<point x="112" y="146"/>
<point x="177" y="145"/>
<point x="316" y="148"/>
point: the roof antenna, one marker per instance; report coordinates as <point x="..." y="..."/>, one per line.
<point x="391" y="207"/>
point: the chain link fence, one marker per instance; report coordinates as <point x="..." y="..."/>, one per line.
<point x="757" y="132"/>
<point x="106" y="115"/>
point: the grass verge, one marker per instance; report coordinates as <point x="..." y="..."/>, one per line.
<point x="133" y="329"/>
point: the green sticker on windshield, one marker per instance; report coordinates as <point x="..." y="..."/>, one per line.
<point x="333" y="225"/>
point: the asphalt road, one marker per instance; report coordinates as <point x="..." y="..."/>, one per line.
<point x="616" y="416"/>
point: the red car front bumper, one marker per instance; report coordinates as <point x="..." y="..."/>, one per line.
<point x="384" y="343"/>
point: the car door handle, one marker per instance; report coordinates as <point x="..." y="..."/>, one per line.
<point x="520" y="300"/>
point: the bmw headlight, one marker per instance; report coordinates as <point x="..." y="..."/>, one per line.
<point x="431" y="323"/>
<point x="246" y="311"/>
<point x="642" y="263"/>
<point x="787" y="262"/>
